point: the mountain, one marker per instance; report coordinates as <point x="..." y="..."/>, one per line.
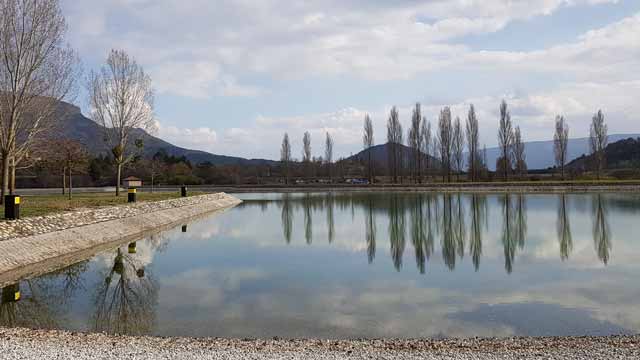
<point x="74" y="125"/>
<point x="540" y="153"/>
<point x="379" y="154"/>
<point x="620" y="154"/>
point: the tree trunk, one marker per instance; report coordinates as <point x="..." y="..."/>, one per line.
<point x="12" y="176"/>
<point x="5" y="176"/>
<point x="70" y="184"/>
<point x="64" y="180"/>
<point x="118" y="179"/>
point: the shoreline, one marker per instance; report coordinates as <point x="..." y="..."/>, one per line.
<point x="547" y="187"/>
<point x="51" y="248"/>
<point x="37" y="344"/>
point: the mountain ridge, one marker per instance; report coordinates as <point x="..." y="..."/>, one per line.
<point x="74" y="125"/>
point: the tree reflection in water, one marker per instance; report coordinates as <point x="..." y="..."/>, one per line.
<point x="125" y="298"/>
<point x="397" y="230"/>
<point x="308" y="220"/>
<point x="601" y="232"/>
<point x="418" y="232"/>
<point x="448" y="238"/>
<point x="370" y="229"/>
<point x="514" y="227"/>
<point x="41" y="302"/>
<point x="331" y="227"/>
<point x="454" y="218"/>
<point x="287" y="217"/>
<point x="564" y="228"/>
<point x="478" y="216"/>
<point x="459" y="227"/>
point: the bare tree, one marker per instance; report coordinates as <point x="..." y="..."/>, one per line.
<point x="445" y="142"/>
<point x="473" y="143"/>
<point x="328" y="152"/>
<point x="285" y="157"/>
<point x="74" y="158"/>
<point x="368" y="141"/>
<point x="37" y="70"/>
<point x="519" y="157"/>
<point x="426" y="142"/>
<point x="415" y="143"/>
<point x="306" y="153"/>
<point x="458" y="146"/>
<point x="560" y="143"/>
<point x="505" y="140"/>
<point x="121" y="100"/>
<point x="394" y="138"/>
<point x="598" y="140"/>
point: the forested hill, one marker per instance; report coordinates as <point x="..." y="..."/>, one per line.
<point x="619" y="155"/>
<point x="380" y="155"/>
<point x="74" y="125"/>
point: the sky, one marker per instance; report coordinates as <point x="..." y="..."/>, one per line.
<point x="231" y="77"/>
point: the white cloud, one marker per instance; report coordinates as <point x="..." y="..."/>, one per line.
<point x="202" y="138"/>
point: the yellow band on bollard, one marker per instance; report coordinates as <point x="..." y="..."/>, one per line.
<point x="132" y="191"/>
<point x="16" y="296"/>
<point x="17" y="200"/>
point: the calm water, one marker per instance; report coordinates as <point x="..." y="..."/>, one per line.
<point x="362" y="265"/>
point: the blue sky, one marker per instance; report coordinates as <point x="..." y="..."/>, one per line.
<point x="232" y="76"/>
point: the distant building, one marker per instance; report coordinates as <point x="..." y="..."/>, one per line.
<point x="132" y="182"/>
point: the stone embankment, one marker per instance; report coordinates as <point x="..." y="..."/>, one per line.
<point x="37" y="245"/>
<point x="41" y="344"/>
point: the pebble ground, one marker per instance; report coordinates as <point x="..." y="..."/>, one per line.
<point x="42" y="344"/>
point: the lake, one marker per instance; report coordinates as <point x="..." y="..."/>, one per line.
<point x="361" y="265"/>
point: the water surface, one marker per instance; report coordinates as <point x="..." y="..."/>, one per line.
<point x="361" y="265"/>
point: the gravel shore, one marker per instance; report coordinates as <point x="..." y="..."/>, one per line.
<point x="40" y="344"/>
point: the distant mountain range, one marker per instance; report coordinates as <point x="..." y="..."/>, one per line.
<point x="540" y="153"/>
<point x="74" y="125"/>
<point x="618" y="155"/>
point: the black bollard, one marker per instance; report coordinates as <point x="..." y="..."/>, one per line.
<point x="11" y="293"/>
<point x="12" y="207"/>
<point x="183" y="191"/>
<point x="131" y="195"/>
<point x="184" y="228"/>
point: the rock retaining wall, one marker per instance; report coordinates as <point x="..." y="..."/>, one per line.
<point x="55" y="241"/>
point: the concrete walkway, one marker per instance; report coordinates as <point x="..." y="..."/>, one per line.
<point x="29" y="256"/>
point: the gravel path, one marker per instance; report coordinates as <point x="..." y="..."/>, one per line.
<point x="40" y="344"/>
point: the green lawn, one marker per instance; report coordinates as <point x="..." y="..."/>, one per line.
<point x="36" y="205"/>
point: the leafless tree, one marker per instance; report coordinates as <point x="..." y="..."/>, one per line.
<point x="306" y="153"/>
<point x="445" y="141"/>
<point x="458" y="146"/>
<point x="70" y="157"/>
<point x="415" y="143"/>
<point x="37" y="70"/>
<point x="394" y="138"/>
<point x="505" y="140"/>
<point x="426" y="143"/>
<point x="598" y="141"/>
<point x="285" y="157"/>
<point x="473" y="143"/>
<point x="328" y="152"/>
<point x="560" y="143"/>
<point x="121" y="100"/>
<point x="368" y="141"/>
<point x="519" y="157"/>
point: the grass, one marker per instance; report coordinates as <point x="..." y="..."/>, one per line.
<point x="36" y="205"/>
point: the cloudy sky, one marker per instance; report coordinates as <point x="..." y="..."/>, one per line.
<point x="232" y="76"/>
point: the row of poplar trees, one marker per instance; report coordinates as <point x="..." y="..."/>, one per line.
<point x="453" y="148"/>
